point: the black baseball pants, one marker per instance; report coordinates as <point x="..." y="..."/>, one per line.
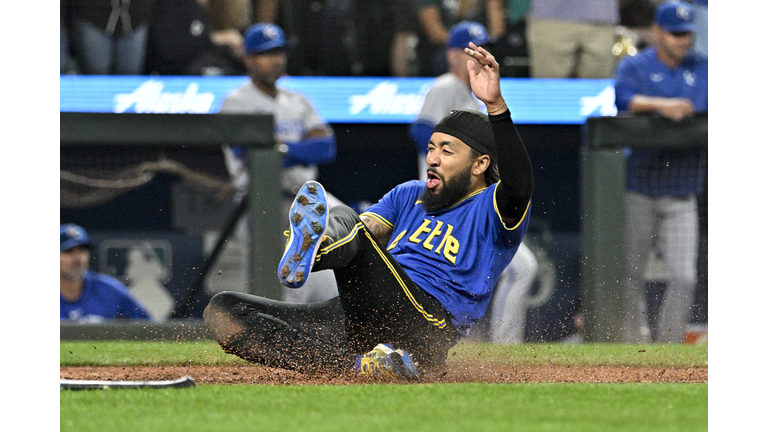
<point x="377" y="303"/>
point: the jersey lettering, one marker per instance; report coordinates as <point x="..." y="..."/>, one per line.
<point x="435" y="232"/>
<point x="424" y="228"/>
<point x="394" y="242"/>
<point x="449" y="245"/>
<point x="442" y="243"/>
<point x="451" y="249"/>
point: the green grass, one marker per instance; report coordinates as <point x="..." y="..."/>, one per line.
<point x="141" y="353"/>
<point x="439" y="407"/>
<point x="137" y="353"/>
<point x="380" y="407"/>
<point x="666" y="355"/>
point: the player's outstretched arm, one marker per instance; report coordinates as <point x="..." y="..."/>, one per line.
<point x="516" y="173"/>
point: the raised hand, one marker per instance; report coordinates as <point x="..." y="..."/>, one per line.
<point x="485" y="80"/>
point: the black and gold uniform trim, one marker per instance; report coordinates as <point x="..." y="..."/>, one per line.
<point x="440" y="323"/>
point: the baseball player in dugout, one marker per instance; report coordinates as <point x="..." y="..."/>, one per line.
<point x="671" y="80"/>
<point x="414" y="271"/>
<point x="86" y="295"/>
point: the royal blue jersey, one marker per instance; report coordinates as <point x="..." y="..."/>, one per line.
<point x="456" y="254"/>
<point x="104" y="297"/>
<point x="664" y="172"/>
<point x="645" y="74"/>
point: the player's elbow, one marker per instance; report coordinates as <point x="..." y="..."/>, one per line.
<point x="328" y="152"/>
<point x="312" y="151"/>
<point x="421" y="132"/>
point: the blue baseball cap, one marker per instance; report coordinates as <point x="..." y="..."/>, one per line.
<point x="73" y="235"/>
<point x="264" y="37"/>
<point x="465" y="32"/>
<point x="675" y="17"/>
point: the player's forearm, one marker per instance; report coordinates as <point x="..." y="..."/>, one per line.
<point x="645" y="104"/>
<point x="312" y="151"/>
<point x="379" y="230"/>
<point x="515" y="170"/>
<point x="675" y="108"/>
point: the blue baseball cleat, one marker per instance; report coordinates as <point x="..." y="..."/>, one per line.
<point x="308" y="220"/>
<point x="384" y="361"/>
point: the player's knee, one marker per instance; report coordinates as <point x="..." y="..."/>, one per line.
<point x="343" y="212"/>
<point x="219" y="320"/>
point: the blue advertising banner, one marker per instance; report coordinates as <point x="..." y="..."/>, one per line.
<point x="337" y="99"/>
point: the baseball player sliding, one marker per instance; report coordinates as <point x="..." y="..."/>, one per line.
<point x="451" y="91"/>
<point x="414" y="272"/>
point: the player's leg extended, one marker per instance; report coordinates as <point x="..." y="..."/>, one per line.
<point x="321" y="286"/>
<point x="319" y="238"/>
<point x="639" y="228"/>
<point x="308" y="221"/>
<point x="380" y="302"/>
<point x="307" y="338"/>
<point x="679" y="235"/>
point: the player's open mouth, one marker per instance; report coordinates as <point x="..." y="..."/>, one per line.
<point x="433" y="180"/>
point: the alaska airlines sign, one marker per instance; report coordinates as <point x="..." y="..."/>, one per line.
<point x="337" y="99"/>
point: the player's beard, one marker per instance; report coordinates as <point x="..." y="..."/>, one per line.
<point x="452" y="191"/>
<point x="74" y="275"/>
<point x="266" y="78"/>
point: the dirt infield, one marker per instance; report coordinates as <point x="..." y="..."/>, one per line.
<point x="458" y="372"/>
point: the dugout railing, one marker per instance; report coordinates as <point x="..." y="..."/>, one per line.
<point x="255" y="131"/>
<point x="603" y="182"/>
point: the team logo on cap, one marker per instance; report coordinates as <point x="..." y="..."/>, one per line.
<point x="683" y="13"/>
<point x="74" y="232"/>
<point x="270" y="32"/>
<point x="476" y="31"/>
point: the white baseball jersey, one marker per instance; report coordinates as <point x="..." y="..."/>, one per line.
<point x="294" y="117"/>
<point x="448" y="93"/>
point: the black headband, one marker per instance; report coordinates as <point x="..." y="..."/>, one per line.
<point x="472" y="127"/>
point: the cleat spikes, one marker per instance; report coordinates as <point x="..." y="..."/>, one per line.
<point x="307" y="243"/>
<point x="308" y="219"/>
